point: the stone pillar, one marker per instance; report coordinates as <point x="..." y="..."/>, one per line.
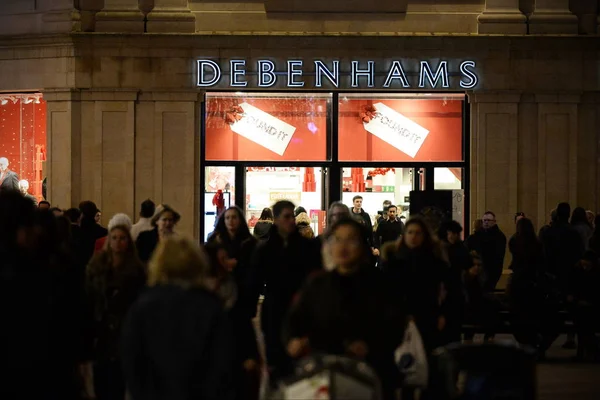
<point x="167" y="149"/>
<point x="63" y="132"/>
<point x="88" y="10"/>
<point x="587" y="13"/>
<point x="502" y="17"/>
<point x="120" y="16"/>
<point x="553" y="17"/>
<point x="60" y="16"/>
<point x="171" y="16"/>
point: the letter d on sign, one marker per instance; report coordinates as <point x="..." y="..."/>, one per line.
<point x="203" y="66"/>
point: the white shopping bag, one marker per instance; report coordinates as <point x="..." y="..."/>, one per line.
<point x="411" y="358"/>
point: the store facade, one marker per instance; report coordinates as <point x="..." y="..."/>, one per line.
<point x="511" y="120"/>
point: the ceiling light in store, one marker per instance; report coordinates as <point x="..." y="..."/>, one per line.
<point x="28" y="100"/>
<point x="4" y="102"/>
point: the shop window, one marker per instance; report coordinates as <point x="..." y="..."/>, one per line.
<point x="377" y="185"/>
<point x="266" y="127"/>
<point x="302" y="186"/>
<point x="447" y="178"/>
<point x="219" y="194"/>
<point x="400" y="128"/>
<point x="23" y="138"/>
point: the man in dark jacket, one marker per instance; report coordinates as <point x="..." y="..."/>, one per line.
<point x="89" y="231"/>
<point x="390" y="228"/>
<point x="490" y="243"/>
<point x="283" y="262"/>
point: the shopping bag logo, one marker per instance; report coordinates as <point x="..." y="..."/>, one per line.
<point x="264" y="129"/>
<point x="396" y="130"/>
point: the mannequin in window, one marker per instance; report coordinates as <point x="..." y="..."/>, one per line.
<point x="9" y="180"/>
<point x="24" y="189"/>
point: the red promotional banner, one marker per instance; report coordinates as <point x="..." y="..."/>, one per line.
<point x="400" y="130"/>
<point x="266" y="128"/>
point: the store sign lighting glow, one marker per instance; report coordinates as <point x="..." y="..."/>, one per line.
<point x="361" y="75"/>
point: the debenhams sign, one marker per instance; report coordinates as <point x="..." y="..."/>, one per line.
<point x="335" y="74"/>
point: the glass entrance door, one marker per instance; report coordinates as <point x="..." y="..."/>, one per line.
<point x="264" y="186"/>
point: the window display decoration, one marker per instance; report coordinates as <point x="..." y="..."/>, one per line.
<point x="369" y="112"/>
<point x="380" y="171"/>
<point x="235" y="114"/>
<point x="23" y="137"/>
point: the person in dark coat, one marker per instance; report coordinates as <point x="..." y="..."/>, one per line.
<point x="490" y="243"/>
<point x="460" y="260"/>
<point x="594" y="244"/>
<point x="164" y="222"/>
<point x="177" y="340"/>
<point x="527" y="266"/>
<point x="232" y="232"/>
<point x="390" y="228"/>
<point x="351" y="310"/>
<point x="114" y="279"/>
<point x="263" y="225"/>
<point x="284" y="262"/>
<point x="419" y="274"/>
<point x="584" y="301"/>
<point x="89" y="231"/>
<point x="40" y="300"/>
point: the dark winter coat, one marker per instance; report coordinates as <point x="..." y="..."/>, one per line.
<point x="89" y="232"/>
<point x="365" y="219"/>
<point x="490" y="244"/>
<point x="563" y="248"/>
<point x="283" y="268"/>
<point x="248" y="285"/>
<point x="177" y="346"/>
<point x="388" y="231"/>
<point x="111" y="292"/>
<point x="334" y="310"/>
<point x="262" y="229"/>
<point x="420" y="278"/>
<point x="146" y="244"/>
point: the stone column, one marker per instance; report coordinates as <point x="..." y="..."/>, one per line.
<point x="120" y="16"/>
<point x="553" y="17"/>
<point x="88" y="9"/>
<point x="63" y="165"/>
<point x="171" y="16"/>
<point x="587" y="12"/>
<point x="60" y="16"/>
<point x="502" y="17"/>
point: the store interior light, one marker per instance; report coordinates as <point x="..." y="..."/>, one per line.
<point x="4" y="102"/>
<point x="28" y="100"/>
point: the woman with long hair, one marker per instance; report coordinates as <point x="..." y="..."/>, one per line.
<point x="264" y="224"/>
<point x="164" y="221"/>
<point x="418" y="271"/>
<point x="350" y="310"/>
<point x="233" y="234"/>
<point x="527" y="265"/>
<point x="177" y="340"/>
<point x="579" y="222"/>
<point x="114" y="279"/>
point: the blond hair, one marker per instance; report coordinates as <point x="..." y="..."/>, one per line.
<point x="178" y="261"/>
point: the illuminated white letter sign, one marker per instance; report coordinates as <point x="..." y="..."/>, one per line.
<point x="266" y="73"/>
<point x="441" y="73"/>
<point x="293" y="71"/>
<point x="336" y="74"/>
<point x="216" y="73"/>
<point x="333" y="76"/>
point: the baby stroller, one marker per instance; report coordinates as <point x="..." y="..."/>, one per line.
<point x="328" y="377"/>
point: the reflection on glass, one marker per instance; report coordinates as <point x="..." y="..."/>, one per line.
<point x="267" y="185"/>
<point x="377" y="185"/>
<point x="447" y="178"/>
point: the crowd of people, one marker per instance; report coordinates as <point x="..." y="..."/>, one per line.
<point x="138" y="310"/>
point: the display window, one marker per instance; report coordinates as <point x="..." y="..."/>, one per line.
<point x="400" y="128"/>
<point x="219" y="194"/>
<point x="266" y="127"/>
<point x="23" y="142"/>
<point x="301" y="185"/>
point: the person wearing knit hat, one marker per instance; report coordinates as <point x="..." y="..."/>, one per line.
<point x="119" y="219"/>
